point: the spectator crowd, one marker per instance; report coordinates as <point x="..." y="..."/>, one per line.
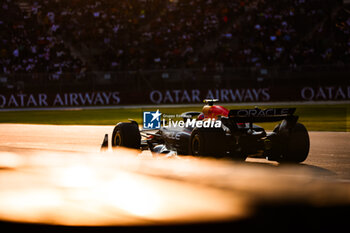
<point x="57" y="36"/>
<point x="27" y="47"/>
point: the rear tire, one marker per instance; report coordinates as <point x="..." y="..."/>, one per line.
<point x="291" y="148"/>
<point x="127" y="135"/>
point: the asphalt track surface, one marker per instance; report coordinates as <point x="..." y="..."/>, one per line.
<point x="55" y="178"/>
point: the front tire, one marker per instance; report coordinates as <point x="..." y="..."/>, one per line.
<point x="127" y="135"/>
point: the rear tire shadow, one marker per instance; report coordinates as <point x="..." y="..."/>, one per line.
<point x="308" y="168"/>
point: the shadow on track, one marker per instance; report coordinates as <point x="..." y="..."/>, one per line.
<point x="299" y="167"/>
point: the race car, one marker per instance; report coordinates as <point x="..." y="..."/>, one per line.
<point x="228" y="134"/>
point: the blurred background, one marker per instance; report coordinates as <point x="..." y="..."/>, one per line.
<point x="289" y="50"/>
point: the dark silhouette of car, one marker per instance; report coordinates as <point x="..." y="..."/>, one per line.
<point x="223" y="134"/>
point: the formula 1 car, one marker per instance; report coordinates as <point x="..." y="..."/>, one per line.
<point x="232" y="135"/>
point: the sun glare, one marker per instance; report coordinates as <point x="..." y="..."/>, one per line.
<point x="123" y="191"/>
<point x="132" y="195"/>
<point x="78" y="176"/>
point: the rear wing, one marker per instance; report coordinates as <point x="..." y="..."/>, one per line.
<point x="262" y="115"/>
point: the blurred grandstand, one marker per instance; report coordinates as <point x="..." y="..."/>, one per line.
<point x="85" y="39"/>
